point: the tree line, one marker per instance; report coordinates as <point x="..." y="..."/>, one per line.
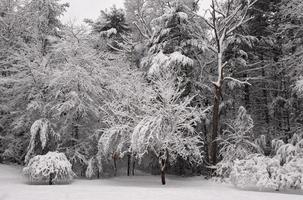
<point x="156" y="85"/>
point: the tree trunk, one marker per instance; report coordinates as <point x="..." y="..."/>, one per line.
<point x="265" y="100"/>
<point x="128" y="163"/>
<point x="216" y="119"/>
<point x="134" y="165"/>
<point x="163" y="157"/>
<point x="162" y="169"/>
<point x="50" y="181"/>
<point x="115" y="167"/>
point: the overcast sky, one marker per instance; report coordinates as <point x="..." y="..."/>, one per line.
<point x="81" y="9"/>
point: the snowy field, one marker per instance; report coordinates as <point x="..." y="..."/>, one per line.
<point x="13" y="187"/>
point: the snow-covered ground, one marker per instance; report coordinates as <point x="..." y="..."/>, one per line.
<point x="13" y="187"/>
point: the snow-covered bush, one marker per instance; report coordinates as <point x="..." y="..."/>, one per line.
<point x="283" y="171"/>
<point x="255" y="170"/>
<point x="236" y="142"/>
<point x="49" y="169"/>
<point x="43" y="139"/>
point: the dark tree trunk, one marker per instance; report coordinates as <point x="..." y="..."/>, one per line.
<point x="265" y="99"/>
<point x="128" y="163"/>
<point x="163" y="177"/>
<point x="115" y="167"/>
<point x="51" y="177"/>
<point x="163" y="157"/>
<point x="134" y="165"/>
<point x="216" y="118"/>
<point x="162" y="169"/>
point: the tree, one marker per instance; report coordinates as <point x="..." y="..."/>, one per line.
<point x="90" y="94"/>
<point x="128" y="101"/>
<point x="111" y="25"/>
<point x="75" y="94"/>
<point x="24" y="31"/>
<point x="291" y="31"/>
<point x="140" y="13"/>
<point x="46" y="21"/>
<point x="169" y="130"/>
<point x="224" y="22"/>
<point x="176" y="45"/>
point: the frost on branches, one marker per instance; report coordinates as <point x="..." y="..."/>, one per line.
<point x="49" y="169"/>
<point x="43" y="139"/>
<point x="283" y="171"/>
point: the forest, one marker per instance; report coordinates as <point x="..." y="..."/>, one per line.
<point x="155" y="88"/>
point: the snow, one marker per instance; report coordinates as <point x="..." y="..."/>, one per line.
<point x="109" y="32"/>
<point x="13" y="187"/>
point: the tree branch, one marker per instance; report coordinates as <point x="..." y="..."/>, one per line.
<point x="236" y="80"/>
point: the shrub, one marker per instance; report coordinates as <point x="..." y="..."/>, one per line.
<point x="283" y="171"/>
<point x="255" y="170"/>
<point x="50" y="168"/>
<point x="236" y="142"/>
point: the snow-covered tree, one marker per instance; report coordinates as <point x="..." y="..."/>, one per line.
<point x="25" y="29"/>
<point x="49" y="169"/>
<point x="225" y="19"/>
<point x="111" y="26"/>
<point x="129" y="97"/>
<point x="140" y="13"/>
<point x="90" y="92"/>
<point x="169" y="130"/>
<point x="110" y="21"/>
<point x="75" y="93"/>
<point x="42" y="139"/>
<point x="177" y="40"/>
<point x="45" y="21"/>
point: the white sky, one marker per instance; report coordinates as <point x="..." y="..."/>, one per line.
<point x="81" y="9"/>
